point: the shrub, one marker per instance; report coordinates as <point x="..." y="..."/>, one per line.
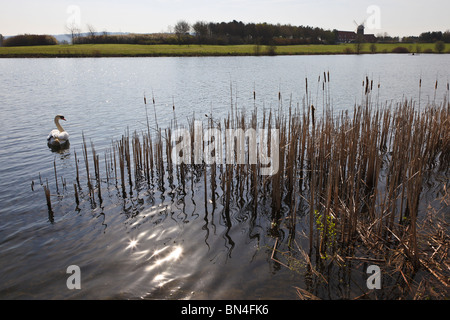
<point x="439" y="46"/>
<point x="30" y="40"/>
<point x="348" y="50"/>
<point x="400" y="50"/>
<point x="271" y="50"/>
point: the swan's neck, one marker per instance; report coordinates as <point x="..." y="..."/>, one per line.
<point x="60" y="128"/>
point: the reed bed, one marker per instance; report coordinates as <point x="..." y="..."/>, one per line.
<point x="354" y="185"/>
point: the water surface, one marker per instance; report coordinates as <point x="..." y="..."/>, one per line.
<point x="159" y="244"/>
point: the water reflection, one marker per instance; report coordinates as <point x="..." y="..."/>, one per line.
<point x="132" y="244"/>
<point x="174" y="255"/>
<point x="59" y="148"/>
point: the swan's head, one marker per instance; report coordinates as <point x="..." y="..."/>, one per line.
<point x="60" y="117"/>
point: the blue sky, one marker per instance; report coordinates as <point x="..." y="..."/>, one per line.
<point x="395" y="17"/>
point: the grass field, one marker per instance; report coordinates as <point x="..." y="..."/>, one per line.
<point x="132" y="50"/>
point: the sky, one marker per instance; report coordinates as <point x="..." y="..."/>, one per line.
<point x="394" y="17"/>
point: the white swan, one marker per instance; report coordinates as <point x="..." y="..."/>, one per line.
<point x="58" y="137"/>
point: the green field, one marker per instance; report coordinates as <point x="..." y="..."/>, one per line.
<point x="134" y="50"/>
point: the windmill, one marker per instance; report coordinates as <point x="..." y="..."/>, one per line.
<point x="360" y="27"/>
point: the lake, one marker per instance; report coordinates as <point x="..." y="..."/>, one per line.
<point x="156" y="245"/>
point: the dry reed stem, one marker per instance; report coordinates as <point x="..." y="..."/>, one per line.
<point x="305" y="295"/>
<point x="47" y="197"/>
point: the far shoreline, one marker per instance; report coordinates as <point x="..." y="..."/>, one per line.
<point x="132" y="50"/>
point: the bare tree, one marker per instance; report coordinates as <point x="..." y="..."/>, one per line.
<point x="201" y="28"/>
<point x="91" y="31"/>
<point x="181" y="29"/>
<point x="74" y="31"/>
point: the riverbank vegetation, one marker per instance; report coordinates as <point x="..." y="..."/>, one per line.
<point x="366" y="186"/>
<point x="131" y="50"/>
<point x="30" y="40"/>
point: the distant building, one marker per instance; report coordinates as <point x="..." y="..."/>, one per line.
<point x="370" y="38"/>
<point x="351" y="36"/>
<point x="346" y="36"/>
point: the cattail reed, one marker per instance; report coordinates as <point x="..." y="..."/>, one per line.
<point x="352" y="179"/>
<point x="47" y="197"/>
<point x="435" y="90"/>
<point x="86" y="162"/>
<point x="77" y="170"/>
<point x="107" y="169"/>
<point x="77" y="199"/>
<point x="98" y="178"/>
<point x="121" y="154"/>
<point x="56" y="176"/>
<point x="312" y="179"/>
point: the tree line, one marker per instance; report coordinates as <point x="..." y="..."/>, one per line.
<point x="435" y="36"/>
<point x="237" y="32"/>
<point x="223" y="33"/>
<point x="219" y="33"/>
